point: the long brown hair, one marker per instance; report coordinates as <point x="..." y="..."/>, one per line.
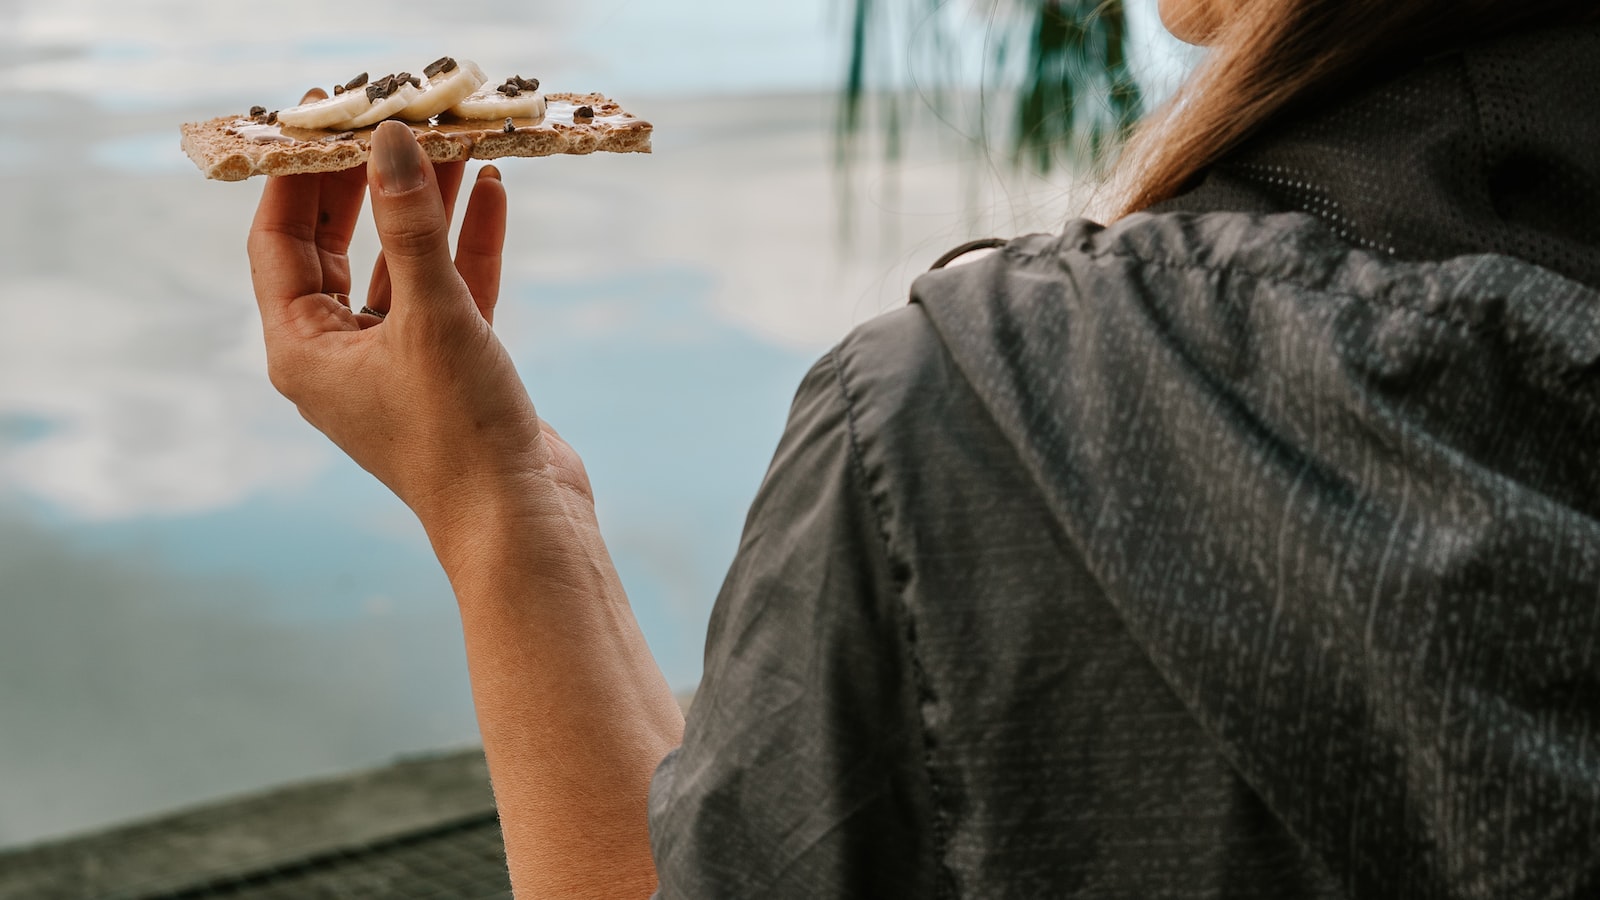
<point x="1271" y="56"/>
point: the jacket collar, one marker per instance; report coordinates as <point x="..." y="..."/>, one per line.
<point x="1491" y="149"/>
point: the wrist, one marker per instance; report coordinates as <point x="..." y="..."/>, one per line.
<point x="527" y="528"/>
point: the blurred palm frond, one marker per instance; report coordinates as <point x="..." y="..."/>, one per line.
<point x="1072" y="95"/>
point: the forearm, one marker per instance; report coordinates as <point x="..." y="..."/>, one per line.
<point x="575" y="714"/>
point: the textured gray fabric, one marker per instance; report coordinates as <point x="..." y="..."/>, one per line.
<point x="1346" y="506"/>
<point x="1489" y="149"/>
<point x="1215" y="554"/>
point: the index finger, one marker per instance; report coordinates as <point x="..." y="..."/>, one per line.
<point x="284" y="261"/>
<point x="301" y="231"/>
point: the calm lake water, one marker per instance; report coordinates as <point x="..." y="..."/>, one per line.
<point x="198" y="595"/>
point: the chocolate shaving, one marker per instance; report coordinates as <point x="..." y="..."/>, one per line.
<point x="272" y="117"/>
<point x="440" y="66"/>
<point x="510" y="126"/>
<point x="583" y="112"/>
<point x="527" y="84"/>
<point x="358" y="81"/>
<point x="257" y="111"/>
<point x="509" y="89"/>
<point x="415" y="81"/>
<point x="384" y="87"/>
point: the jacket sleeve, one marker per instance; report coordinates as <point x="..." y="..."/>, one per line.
<point x="802" y="772"/>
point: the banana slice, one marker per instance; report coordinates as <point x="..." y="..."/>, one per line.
<point x="445" y="83"/>
<point x="403" y="94"/>
<point x="356" y="104"/>
<point x="516" y="97"/>
<point x="348" y="101"/>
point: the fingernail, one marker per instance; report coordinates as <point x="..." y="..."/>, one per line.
<point x="396" y="158"/>
<point x="489" y="172"/>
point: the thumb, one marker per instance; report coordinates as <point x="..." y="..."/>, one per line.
<point x="412" y="224"/>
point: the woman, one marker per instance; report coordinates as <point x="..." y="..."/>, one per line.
<point x="1245" y="548"/>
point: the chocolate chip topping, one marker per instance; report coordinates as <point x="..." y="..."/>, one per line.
<point x="509" y="89"/>
<point x="439" y="66"/>
<point x="358" y="81"/>
<point x="338" y="89"/>
<point x="272" y="117"/>
<point x="257" y="111"/>
<point x="527" y="84"/>
<point x="510" y="126"/>
<point x="385" y="87"/>
<point x="583" y="112"/>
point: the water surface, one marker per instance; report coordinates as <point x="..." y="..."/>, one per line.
<point x="198" y="595"/>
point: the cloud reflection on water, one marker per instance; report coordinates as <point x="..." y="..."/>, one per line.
<point x="133" y="428"/>
<point x="662" y="309"/>
<point x="218" y="600"/>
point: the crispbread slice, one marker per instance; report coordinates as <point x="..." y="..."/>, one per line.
<point x="233" y="148"/>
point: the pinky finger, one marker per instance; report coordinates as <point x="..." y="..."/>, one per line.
<point x="482" y="240"/>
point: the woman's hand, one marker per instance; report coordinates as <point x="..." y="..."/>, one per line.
<point x="426" y="399"/>
<point x="574" y="713"/>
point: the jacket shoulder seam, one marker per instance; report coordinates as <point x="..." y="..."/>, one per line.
<point x="1440" y="312"/>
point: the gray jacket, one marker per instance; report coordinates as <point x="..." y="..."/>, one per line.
<point x="1247" y="548"/>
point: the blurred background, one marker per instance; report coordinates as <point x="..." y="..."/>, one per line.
<point x="198" y="595"/>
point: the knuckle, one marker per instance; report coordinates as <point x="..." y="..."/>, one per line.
<point x="262" y="236"/>
<point x="416" y="237"/>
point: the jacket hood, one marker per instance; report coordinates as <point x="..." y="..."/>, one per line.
<point x="1494" y="149"/>
<point x="1338" y="469"/>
